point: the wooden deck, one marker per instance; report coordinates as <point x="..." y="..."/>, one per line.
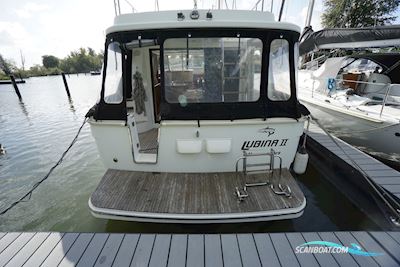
<point x="380" y="173"/>
<point x="263" y="249"/>
<point x="197" y="196"/>
<point x="149" y="141"/>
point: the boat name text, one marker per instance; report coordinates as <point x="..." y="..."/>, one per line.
<point x="263" y="143"/>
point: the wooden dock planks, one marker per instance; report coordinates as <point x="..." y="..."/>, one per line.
<point x="262" y="249"/>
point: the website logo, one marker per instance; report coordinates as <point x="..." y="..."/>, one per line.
<point x="323" y="247"/>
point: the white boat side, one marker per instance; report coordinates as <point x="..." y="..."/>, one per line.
<point x="119" y="151"/>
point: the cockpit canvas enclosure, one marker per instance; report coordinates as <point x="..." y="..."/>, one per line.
<point x="211" y="80"/>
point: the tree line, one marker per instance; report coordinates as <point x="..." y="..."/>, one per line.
<point x="82" y="60"/>
<point x="358" y="13"/>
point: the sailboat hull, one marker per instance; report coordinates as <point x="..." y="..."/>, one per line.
<point x="381" y="139"/>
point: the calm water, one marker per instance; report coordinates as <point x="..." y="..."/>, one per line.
<point x="36" y="133"/>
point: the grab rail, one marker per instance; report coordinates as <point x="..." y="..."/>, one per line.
<point x="117" y="6"/>
<point x="385" y="99"/>
<point x="314" y="63"/>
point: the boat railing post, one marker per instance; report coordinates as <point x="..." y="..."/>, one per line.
<point x="65" y="84"/>
<point x="312" y="91"/>
<point x="385" y="99"/>
<point x="15" y="87"/>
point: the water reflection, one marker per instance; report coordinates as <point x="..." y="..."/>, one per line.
<point x="71" y="105"/>
<point x="35" y="133"/>
<point x="24" y="110"/>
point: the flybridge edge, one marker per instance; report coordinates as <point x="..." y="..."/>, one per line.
<point x="221" y="18"/>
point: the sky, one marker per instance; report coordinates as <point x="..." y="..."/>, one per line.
<point x="47" y="27"/>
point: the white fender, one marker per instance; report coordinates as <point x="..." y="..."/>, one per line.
<point x="300" y="162"/>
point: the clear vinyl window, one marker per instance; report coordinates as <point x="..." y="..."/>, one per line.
<point x="212" y="70"/>
<point x="279" y="71"/>
<point x="296" y="65"/>
<point x="361" y="65"/>
<point x="113" y="93"/>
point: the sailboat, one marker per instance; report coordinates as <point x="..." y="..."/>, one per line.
<point x="353" y="87"/>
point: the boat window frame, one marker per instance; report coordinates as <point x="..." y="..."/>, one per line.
<point x="104" y="97"/>
<point x="218" y="110"/>
<point x="269" y="90"/>
<point x="263" y="108"/>
<point x="188" y="49"/>
<point x="292" y="67"/>
<point x="113" y="111"/>
<point x="151" y="50"/>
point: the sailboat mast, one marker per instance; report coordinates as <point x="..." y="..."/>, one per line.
<point x="281" y="11"/>
<point x="309" y="13"/>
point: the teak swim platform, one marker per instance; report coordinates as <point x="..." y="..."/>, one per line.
<point x="194" y="197"/>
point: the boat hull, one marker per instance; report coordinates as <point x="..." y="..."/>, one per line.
<point x="191" y="146"/>
<point x="381" y="139"/>
<point x="195" y="218"/>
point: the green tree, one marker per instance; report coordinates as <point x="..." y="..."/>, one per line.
<point x="358" y="13"/>
<point x="91" y="52"/>
<point x="37" y="70"/>
<point x="5" y="66"/>
<point x="82" y="60"/>
<point x="50" y="61"/>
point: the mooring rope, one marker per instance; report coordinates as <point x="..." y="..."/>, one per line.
<point x="28" y="195"/>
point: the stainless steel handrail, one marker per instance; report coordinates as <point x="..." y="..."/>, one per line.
<point x="283" y="189"/>
<point x="385" y="99"/>
<point x="315" y="61"/>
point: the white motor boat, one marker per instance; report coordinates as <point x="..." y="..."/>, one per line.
<point x="356" y="97"/>
<point x="192" y="103"/>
